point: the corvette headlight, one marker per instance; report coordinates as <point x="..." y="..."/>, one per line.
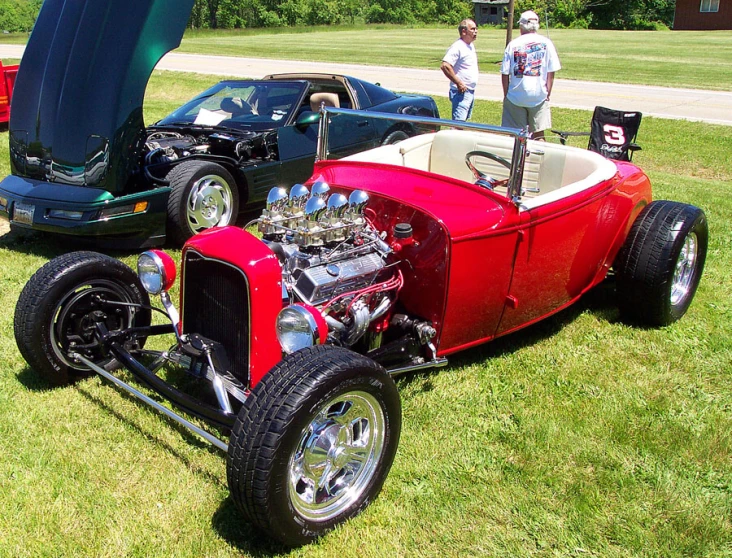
<point x="300" y="326"/>
<point x="156" y="270"/>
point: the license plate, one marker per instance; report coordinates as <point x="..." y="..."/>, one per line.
<point x="23" y="213"/>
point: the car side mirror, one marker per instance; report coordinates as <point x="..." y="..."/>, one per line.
<point x="306" y="119"/>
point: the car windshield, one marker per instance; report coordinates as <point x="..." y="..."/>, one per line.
<point x="245" y="105"/>
<point x="480" y="154"/>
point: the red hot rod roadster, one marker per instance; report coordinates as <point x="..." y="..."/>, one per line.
<point x="382" y="263"/>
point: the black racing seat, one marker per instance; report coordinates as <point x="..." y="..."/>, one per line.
<point x="613" y="133"/>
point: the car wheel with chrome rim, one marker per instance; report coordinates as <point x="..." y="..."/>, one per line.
<point x="202" y="195"/>
<point x="313" y="443"/>
<point x="659" y="267"/>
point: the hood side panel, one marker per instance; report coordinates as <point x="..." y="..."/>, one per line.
<point x="81" y="84"/>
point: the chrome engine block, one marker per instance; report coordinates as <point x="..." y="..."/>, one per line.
<point x="322" y="282"/>
<point x="331" y="256"/>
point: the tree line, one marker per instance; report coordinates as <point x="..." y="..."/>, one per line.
<point x="598" y="14"/>
<point x="19" y="15"/>
<point x="603" y="14"/>
<point x="276" y="13"/>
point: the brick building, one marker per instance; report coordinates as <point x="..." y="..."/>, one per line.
<point x="703" y="15"/>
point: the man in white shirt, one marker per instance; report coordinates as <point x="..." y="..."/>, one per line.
<point x="460" y="65"/>
<point x="527" y="74"/>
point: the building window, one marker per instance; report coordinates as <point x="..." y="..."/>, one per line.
<point x="494" y="10"/>
<point x="709" y="6"/>
<point x="484" y="10"/>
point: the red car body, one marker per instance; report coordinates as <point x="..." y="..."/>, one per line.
<point x="532" y="263"/>
<point x="7" y="81"/>
<point x="385" y="262"/>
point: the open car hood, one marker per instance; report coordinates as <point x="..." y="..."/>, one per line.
<point x="77" y="104"/>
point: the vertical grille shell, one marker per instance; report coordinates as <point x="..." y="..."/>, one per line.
<point x="216" y="304"/>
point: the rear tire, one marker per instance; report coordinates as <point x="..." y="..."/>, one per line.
<point x="202" y="195"/>
<point x="54" y="310"/>
<point x="659" y="267"/>
<point x="313" y="443"/>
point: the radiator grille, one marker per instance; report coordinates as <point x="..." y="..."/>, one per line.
<point x="216" y="305"/>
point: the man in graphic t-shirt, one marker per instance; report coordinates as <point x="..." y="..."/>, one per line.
<point x="460" y="65"/>
<point x="527" y="73"/>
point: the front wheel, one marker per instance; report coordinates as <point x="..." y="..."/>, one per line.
<point x="58" y="309"/>
<point x="660" y="265"/>
<point x="202" y="195"/>
<point x="313" y="443"/>
<point x="395" y="137"/>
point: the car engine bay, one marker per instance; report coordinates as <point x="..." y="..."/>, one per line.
<point x="335" y="261"/>
<point x="165" y="147"/>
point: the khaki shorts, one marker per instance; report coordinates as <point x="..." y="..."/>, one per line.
<point x="537" y="118"/>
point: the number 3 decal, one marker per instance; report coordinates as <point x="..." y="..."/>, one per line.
<point x="614" y="135"/>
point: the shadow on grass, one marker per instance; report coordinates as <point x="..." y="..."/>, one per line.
<point x="46" y="245"/>
<point x="227" y="520"/>
<point x="33" y="381"/>
<point x="229" y="524"/>
<point x="600" y="302"/>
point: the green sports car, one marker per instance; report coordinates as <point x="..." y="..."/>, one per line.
<point x="84" y="163"/>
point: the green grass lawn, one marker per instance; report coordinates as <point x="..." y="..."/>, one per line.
<point x="641" y="57"/>
<point x="674" y="59"/>
<point x="579" y="436"/>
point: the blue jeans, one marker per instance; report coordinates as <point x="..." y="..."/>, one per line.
<point x="462" y="104"/>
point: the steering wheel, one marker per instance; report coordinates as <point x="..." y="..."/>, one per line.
<point x="236" y="106"/>
<point x="482" y="179"/>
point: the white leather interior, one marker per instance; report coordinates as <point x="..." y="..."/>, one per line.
<point x="557" y="171"/>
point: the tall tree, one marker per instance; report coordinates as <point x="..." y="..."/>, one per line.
<point x="632" y="14"/>
<point x="213" y="13"/>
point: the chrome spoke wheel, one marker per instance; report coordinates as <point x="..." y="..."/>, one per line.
<point x="313" y="443"/>
<point x="337" y="456"/>
<point x="209" y="204"/>
<point x="684" y="270"/>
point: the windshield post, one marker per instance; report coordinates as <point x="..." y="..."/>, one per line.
<point x="517" y="167"/>
<point x="427" y="124"/>
<point x="321" y="153"/>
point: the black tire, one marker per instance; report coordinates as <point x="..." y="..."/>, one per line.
<point x="202" y="195"/>
<point x="659" y="267"/>
<point x="270" y="455"/>
<point x="395" y="137"/>
<point x="56" y="302"/>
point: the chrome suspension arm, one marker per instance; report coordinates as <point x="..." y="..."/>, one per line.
<point x="152" y="403"/>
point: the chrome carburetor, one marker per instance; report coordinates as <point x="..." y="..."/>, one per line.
<point x="313" y="218"/>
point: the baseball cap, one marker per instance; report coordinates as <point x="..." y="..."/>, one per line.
<point x="528" y="16"/>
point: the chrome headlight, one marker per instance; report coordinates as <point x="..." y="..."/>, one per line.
<point x="300" y="326"/>
<point x="156" y="270"/>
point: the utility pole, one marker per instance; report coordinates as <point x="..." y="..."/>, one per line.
<point x="509" y="23"/>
